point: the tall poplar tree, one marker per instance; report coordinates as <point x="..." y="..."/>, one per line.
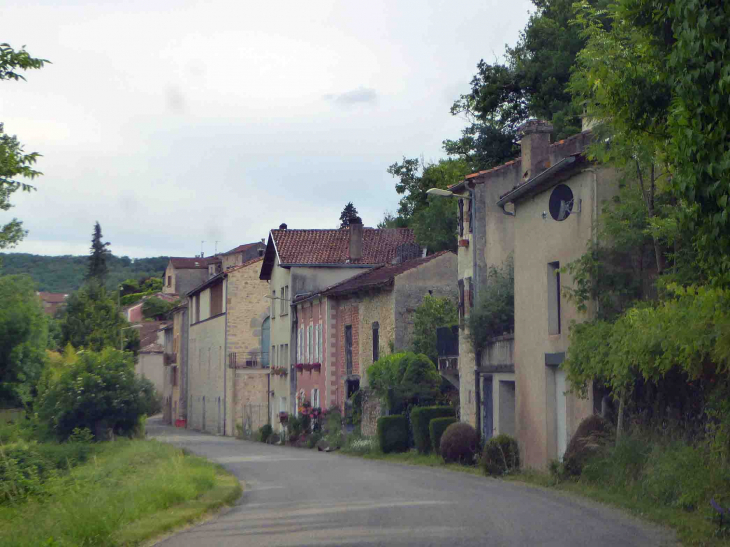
<point x="97" y="260"/>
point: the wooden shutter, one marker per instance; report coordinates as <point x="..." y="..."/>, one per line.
<point x="470" y="214"/>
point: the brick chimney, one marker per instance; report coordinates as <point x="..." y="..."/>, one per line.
<point x="535" y="144"/>
<point x="355" y="233"/>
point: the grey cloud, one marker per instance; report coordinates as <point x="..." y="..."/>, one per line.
<point x="359" y="95"/>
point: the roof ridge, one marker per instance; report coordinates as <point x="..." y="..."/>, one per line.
<point x="247" y="263"/>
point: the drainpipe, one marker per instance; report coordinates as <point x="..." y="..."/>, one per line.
<point x="225" y="364"/>
<point x="475" y="284"/>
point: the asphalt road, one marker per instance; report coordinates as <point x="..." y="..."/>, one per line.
<point x="309" y="498"/>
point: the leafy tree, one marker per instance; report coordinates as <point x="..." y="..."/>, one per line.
<point x="494" y="312"/>
<point x="23" y="339"/>
<point x="98" y="269"/>
<point x="347" y="213"/>
<point x="530" y="82"/>
<point x="91" y="320"/>
<point x="403" y="378"/>
<point x="14" y="162"/>
<point x="433" y="313"/>
<point x="128" y="286"/>
<point x="156" y="308"/>
<point x="99" y="391"/>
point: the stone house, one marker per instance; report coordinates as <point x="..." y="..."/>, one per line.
<point x="52" y="301"/>
<point x="184" y="274"/>
<point x="227" y="363"/>
<point x="369" y="314"/>
<point x="150" y="357"/>
<point x="299" y="263"/>
<point x="175" y="360"/>
<point x="502" y="389"/>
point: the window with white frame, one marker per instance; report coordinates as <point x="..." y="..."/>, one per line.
<point x="310" y="352"/>
<point x="273" y="304"/>
<point x="319" y="342"/>
<point x="315" y="358"/>
<point x="315" y="398"/>
<point x="299" y="345"/>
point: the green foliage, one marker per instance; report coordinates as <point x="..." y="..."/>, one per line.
<point x="433" y="220"/>
<point x="404" y="378"/>
<point x="459" y="444"/>
<point x="593" y="434"/>
<point x="66" y="274"/>
<point x="436" y="428"/>
<point x="14" y="162"/>
<point x="156" y="308"/>
<point x="349" y="212"/>
<point x="500" y="456"/>
<point x="101" y="392"/>
<point x="421" y="417"/>
<point x="23" y="340"/>
<point x="386" y="373"/>
<point x="393" y="433"/>
<point x="91" y="320"/>
<point x="265" y="431"/>
<point x="333" y="428"/>
<point x="433" y="313"/>
<point x="494" y="311"/>
<point x="98" y="269"/>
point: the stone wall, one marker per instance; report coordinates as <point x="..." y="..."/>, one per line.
<point x="149" y="365"/>
<point x="206" y="370"/>
<point x="251" y="401"/>
<point x="371" y="411"/>
<point x="375" y="307"/>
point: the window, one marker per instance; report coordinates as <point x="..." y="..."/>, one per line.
<point x="461" y="302"/>
<point x="285" y="357"/>
<point x="310" y="347"/>
<point x="300" y="344"/>
<point x="197" y="307"/>
<point x="281" y="302"/>
<point x="471" y="292"/>
<point x="315" y="357"/>
<point x="314" y="400"/>
<point x="553" y="287"/>
<point x="273" y="305"/>
<point x="319" y="343"/>
<point x="283" y="361"/>
<point x="273" y="356"/>
<point x="348" y="349"/>
<point x="282" y="404"/>
<point x="470" y="213"/>
<point x="376" y="341"/>
<point x="216" y="299"/>
<point x="284" y="308"/>
<point x="461" y="218"/>
<point x="169" y="281"/>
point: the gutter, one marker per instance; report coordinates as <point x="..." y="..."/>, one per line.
<point x="327" y="265"/>
<point x="520" y="191"/>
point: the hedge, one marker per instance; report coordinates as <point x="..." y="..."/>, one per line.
<point x="393" y="433"/>
<point x="436" y="428"/>
<point x="501" y="455"/>
<point x="421" y="416"/>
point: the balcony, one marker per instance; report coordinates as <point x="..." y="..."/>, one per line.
<point x="248" y="359"/>
<point x="169" y="358"/>
<point x="447" y="344"/>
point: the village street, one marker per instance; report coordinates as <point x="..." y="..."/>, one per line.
<point x="296" y="497"/>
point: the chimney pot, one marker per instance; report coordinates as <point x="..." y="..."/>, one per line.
<point x="282" y="226"/>
<point x="355" y="235"/>
<point x="535" y="144"/>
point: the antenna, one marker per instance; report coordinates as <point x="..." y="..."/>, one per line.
<point x="201" y="249"/>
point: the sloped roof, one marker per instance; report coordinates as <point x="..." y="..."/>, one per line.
<point x="377" y="277"/>
<point x="224" y="274"/>
<point x="52" y="297"/>
<point x="183" y="263"/>
<point x="243" y="247"/>
<point x="333" y="246"/>
<point x="152" y="348"/>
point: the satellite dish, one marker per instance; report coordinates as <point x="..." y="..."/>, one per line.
<point x="561" y="202"/>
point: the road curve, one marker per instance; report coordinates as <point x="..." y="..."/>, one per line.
<point x="297" y="497"/>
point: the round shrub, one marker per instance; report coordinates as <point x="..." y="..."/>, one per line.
<point x="265" y="431"/>
<point x="436" y="428"/>
<point x="459" y="443"/>
<point x="501" y="455"/>
<point x="593" y="434"/>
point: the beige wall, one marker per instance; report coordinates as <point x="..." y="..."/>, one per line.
<point x="538" y="242"/>
<point x="378" y="307"/>
<point x="280" y="334"/>
<point x="150" y="366"/>
<point x="250" y="400"/>
<point x="206" y="369"/>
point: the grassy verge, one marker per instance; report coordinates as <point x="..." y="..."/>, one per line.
<point x="126" y="492"/>
<point x="412" y="457"/>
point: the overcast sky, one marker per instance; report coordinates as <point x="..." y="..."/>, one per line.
<point x="172" y="122"/>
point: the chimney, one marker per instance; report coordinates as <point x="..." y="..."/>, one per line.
<point x="355" y="233"/>
<point x="282" y="226"/>
<point x="535" y="144"/>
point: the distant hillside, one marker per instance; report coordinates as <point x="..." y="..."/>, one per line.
<point x="66" y="273"/>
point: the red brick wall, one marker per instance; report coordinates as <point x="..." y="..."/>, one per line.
<point x="347" y="314"/>
<point x="315" y="379"/>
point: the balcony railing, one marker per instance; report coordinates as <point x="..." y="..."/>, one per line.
<point x="169" y="358"/>
<point x="449" y="364"/>
<point x="248" y="359"/>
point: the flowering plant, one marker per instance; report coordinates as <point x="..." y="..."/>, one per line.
<point x="283" y="417"/>
<point x="279" y="371"/>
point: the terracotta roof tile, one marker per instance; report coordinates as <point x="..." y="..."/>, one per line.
<point x="52" y="297"/>
<point x="184" y="263"/>
<point x="332" y="246"/>
<point x="378" y="276"/>
<point x="243" y="247"/>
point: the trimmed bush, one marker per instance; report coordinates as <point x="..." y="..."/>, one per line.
<point x="393" y="433"/>
<point x="436" y="428"/>
<point x="459" y="443"/>
<point x="265" y="431"/>
<point x="501" y="455"/>
<point x="421" y="416"/>
<point x="593" y="434"/>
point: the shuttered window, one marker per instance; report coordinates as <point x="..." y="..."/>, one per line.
<point x="348" y="349"/>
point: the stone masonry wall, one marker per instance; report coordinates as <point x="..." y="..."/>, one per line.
<point x="371" y="411"/>
<point x="375" y="307"/>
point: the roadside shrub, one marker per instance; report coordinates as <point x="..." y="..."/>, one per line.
<point x="421" y="417"/>
<point x="393" y="433"/>
<point x="295" y="427"/>
<point x="360" y="445"/>
<point x="333" y="428"/>
<point x="501" y="455"/>
<point x="459" y="443"/>
<point x="265" y="431"/>
<point x="436" y="428"/>
<point x="313" y="439"/>
<point x="593" y="434"/>
<point x="100" y="392"/>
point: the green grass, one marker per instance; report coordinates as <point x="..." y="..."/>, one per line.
<point x="412" y="457"/>
<point x="125" y="493"/>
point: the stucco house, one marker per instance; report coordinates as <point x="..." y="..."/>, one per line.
<point x="367" y="315"/>
<point x="227" y="362"/>
<point x="150" y="357"/>
<point x="184" y="274"/>
<point x="514" y="385"/>
<point x="299" y="263"/>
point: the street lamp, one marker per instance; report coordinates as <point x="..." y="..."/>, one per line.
<point x="438" y="192"/>
<point x="121" y="335"/>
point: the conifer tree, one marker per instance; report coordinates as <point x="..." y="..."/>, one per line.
<point x="97" y="259"/>
<point x="347" y="213"/>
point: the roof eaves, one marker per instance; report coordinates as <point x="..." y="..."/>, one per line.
<point x="208" y="282"/>
<point x="537" y="181"/>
